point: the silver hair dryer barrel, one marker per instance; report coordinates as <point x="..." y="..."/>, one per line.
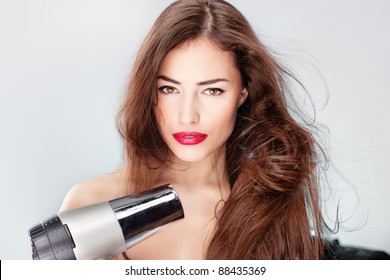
<point x="105" y="229"/>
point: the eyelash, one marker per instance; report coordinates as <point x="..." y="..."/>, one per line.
<point x="163" y="90"/>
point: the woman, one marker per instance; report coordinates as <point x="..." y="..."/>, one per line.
<point x="206" y="111"/>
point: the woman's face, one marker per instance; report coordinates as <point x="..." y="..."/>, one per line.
<point x="198" y="92"/>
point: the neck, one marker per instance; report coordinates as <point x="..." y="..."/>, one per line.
<point x="209" y="173"/>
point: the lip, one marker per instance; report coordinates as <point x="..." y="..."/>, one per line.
<point x="189" y="138"/>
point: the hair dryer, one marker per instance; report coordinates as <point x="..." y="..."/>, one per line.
<point x="105" y="229"/>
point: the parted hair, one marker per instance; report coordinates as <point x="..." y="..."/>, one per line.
<point x="273" y="209"/>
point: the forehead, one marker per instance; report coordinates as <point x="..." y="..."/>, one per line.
<point x="199" y="59"/>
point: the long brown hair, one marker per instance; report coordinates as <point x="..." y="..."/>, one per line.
<point x="273" y="210"/>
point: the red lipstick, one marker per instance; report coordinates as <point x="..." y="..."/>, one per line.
<point x="189" y="138"/>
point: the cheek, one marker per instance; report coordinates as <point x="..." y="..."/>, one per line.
<point x="165" y="116"/>
<point x="225" y="119"/>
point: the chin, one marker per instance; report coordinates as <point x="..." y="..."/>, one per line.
<point x="190" y="157"/>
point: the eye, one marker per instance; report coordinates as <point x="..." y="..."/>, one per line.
<point x="213" y="91"/>
<point x="167" y="90"/>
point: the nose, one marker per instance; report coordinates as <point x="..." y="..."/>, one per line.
<point x="188" y="110"/>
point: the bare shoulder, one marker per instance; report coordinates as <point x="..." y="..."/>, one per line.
<point x="95" y="190"/>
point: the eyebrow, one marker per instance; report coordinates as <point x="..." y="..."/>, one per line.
<point x="202" y="83"/>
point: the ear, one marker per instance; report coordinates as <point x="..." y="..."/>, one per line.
<point x="243" y="96"/>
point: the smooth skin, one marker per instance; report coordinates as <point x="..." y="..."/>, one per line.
<point x="199" y="89"/>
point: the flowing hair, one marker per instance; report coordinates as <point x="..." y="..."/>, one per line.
<point x="273" y="209"/>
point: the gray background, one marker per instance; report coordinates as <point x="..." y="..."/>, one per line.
<point x="64" y="68"/>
